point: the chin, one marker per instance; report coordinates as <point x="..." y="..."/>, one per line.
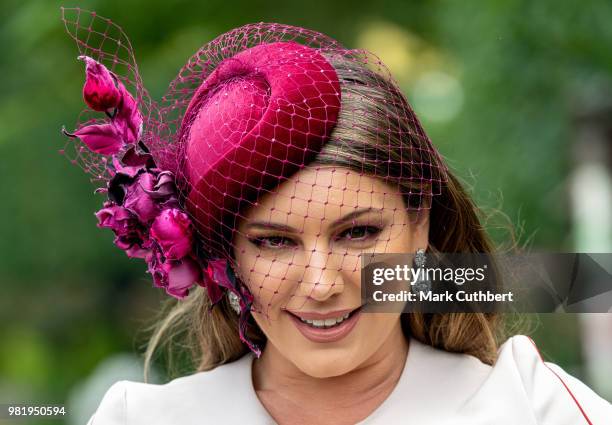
<point x="325" y="362"/>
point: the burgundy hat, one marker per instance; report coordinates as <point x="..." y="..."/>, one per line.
<point x="260" y="116"/>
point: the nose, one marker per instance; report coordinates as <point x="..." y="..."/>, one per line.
<point x="322" y="276"/>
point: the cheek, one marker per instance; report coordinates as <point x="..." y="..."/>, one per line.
<point x="271" y="284"/>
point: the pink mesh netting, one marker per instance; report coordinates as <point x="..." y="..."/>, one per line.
<point x="289" y="153"/>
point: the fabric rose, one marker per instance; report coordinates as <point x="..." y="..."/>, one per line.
<point x="143" y="211"/>
<point x="130" y="235"/>
<point x="175" y="276"/>
<point x="140" y="187"/>
<point x="100" y="91"/>
<point x="104" y="92"/>
<point x="182" y="275"/>
<point x="173" y="232"/>
<point x="137" y="200"/>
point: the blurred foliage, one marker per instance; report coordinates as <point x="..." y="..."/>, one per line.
<point x="69" y="298"/>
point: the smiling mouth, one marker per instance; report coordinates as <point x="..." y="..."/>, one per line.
<point x="325" y="323"/>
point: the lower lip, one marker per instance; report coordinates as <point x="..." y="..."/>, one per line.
<point x="332" y="334"/>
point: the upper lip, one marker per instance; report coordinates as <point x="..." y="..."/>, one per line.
<point x="313" y="315"/>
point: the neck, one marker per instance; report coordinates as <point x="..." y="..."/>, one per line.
<point x="367" y="385"/>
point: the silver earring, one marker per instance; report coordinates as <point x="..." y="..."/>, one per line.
<point x="234" y="302"/>
<point x="422" y="284"/>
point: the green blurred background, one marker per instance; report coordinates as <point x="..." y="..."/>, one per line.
<point x="517" y="95"/>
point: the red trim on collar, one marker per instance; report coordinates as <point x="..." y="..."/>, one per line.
<point x="563" y="382"/>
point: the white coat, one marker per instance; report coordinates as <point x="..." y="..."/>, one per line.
<point x="435" y="387"/>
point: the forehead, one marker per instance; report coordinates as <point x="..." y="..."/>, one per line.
<point x="322" y="193"/>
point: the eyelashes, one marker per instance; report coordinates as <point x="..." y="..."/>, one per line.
<point x="272" y="242"/>
<point x="359" y="233"/>
<point x="352" y="235"/>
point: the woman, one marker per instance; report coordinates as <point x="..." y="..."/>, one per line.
<point x="276" y="160"/>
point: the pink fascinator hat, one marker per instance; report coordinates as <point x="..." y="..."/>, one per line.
<point x="261" y="115"/>
<point x="247" y="111"/>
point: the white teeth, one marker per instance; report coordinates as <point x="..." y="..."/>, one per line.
<point x="327" y="323"/>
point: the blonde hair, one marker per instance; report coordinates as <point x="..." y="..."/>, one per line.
<point x="209" y="338"/>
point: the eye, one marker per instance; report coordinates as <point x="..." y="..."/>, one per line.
<point x="272" y="242"/>
<point x="358" y="233"/>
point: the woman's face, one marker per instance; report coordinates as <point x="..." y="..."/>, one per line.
<point x="298" y="250"/>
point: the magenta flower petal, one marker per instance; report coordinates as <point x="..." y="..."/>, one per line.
<point x="114" y="217"/>
<point x="123" y="242"/>
<point x="217" y="271"/>
<point x="136" y="251"/>
<point x="128" y="119"/>
<point x="173" y="231"/>
<point x="138" y="201"/>
<point x="154" y="267"/>
<point x="100" y="91"/>
<point x="130" y="235"/>
<point x="214" y="291"/>
<point x="215" y="278"/>
<point x="100" y="138"/>
<point x="127" y="170"/>
<point x="182" y="275"/>
<point x="165" y="186"/>
<point x="138" y="157"/>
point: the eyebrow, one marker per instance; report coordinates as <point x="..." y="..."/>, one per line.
<point x="285" y="228"/>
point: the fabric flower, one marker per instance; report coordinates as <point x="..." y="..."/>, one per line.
<point x="142" y="208"/>
<point x="138" y="201"/>
<point x="165" y="189"/>
<point x="182" y="275"/>
<point x="133" y="162"/>
<point x="130" y="235"/>
<point x="138" y="156"/>
<point x="173" y="231"/>
<point x="105" y="93"/>
<point x="129" y="187"/>
<point x="100" y="91"/>
<point x="175" y="276"/>
<point x="141" y="187"/>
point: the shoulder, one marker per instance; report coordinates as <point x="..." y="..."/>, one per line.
<point x="210" y="395"/>
<point x="445" y="387"/>
<point x="112" y="407"/>
<point x="521" y="377"/>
